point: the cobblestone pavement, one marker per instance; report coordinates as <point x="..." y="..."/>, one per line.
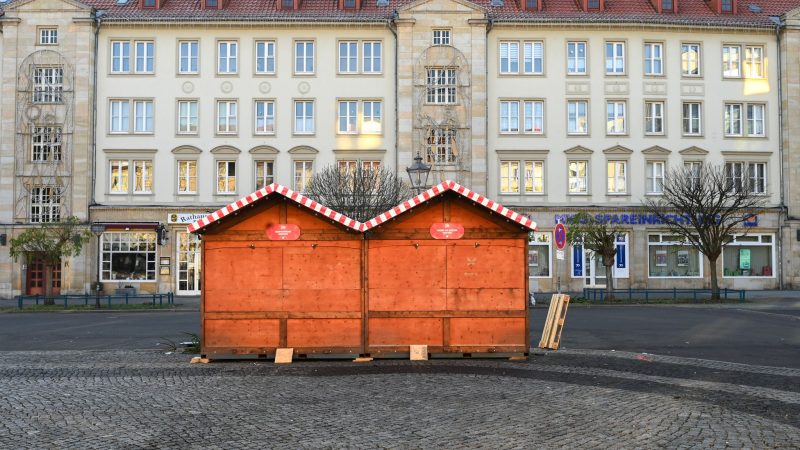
<point x="566" y="399"/>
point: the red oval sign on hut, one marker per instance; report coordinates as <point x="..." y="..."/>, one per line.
<point x="447" y="231"/>
<point x="283" y="232"/>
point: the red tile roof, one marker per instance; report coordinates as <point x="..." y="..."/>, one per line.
<point x="691" y="12"/>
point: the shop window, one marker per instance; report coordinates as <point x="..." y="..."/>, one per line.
<point x="749" y="256"/>
<point x="671" y="257"/>
<point x="539" y="255"/>
<point x="128" y="256"/>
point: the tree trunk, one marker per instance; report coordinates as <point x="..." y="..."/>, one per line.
<point x="609" y="281"/>
<point x="48" y="284"/>
<point x="714" y="281"/>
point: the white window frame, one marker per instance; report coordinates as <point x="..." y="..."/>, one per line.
<point x="615" y="62"/>
<point x="529" y="169"/>
<point x="142" y="177"/>
<point x="372" y="117"/>
<point x="576" y="104"/>
<point x="46" y="143"/>
<point x="732" y="66"/>
<point x="511" y="168"/>
<point x="694" y="169"/>
<point x="509" y="57"/>
<point x="655" y="173"/>
<point x="691" y="119"/>
<point x="119" y="116"/>
<point x="541" y="239"/>
<point x="616" y="177"/>
<point x="267" y="175"/>
<point x="45" y="204"/>
<point x="739" y="172"/>
<point x="350" y="117"/>
<point x="533" y="51"/>
<point x="533" y="114"/>
<point x="150" y="243"/>
<point x="122" y="180"/>
<point x="188" y="113"/>
<point x="48" y="84"/>
<point x="575" y="62"/>
<point x="577" y="181"/>
<point x="509" y="117"/>
<point x="760" y="243"/>
<point x="750" y="126"/>
<point x="372" y="57"/>
<point x="304" y="117"/>
<point x="264" y="117"/>
<point x="226" y="178"/>
<point x="120" y="62"/>
<point x="185" y="175"/>
<point x="348" y="57"/>
<point x="265" y="63"/>
<point x="733" y="120"/>
<point x="753" y="62"/>
<point x="616" y="117"/>
<point x="300" y="178"/>
<point x="662" y="243"/>
<point x="654" y="115"/>
<point x="440" y="144"/>
<point x="191" y="57"/>
<point x="227" y="57"/>
<point x="145" y="55"/>
<point x="441" y="83"/>
<point x="441" y="36"/>
<point x="654" y="62"/>
<point x="143" y="116"/>
<point x="687" y="50"/>
<point x="303" y="62"/>
<point x="48" y="36"/>
<point x="229" y="122"/>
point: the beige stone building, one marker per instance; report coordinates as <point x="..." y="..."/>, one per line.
<point x="549" y="107"/>
<point x="790" y="51"/>
<point x="46" y="49"/>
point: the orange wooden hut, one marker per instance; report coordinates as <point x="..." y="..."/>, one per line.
<point x="280" y="270"/>
<point x="447" y="269"/>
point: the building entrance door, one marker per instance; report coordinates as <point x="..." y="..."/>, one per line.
<point x="595" y="270"/>
<point x="188" y="264"/>
<point x="35" y="278"/>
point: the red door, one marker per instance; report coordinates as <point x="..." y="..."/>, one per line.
<point x="36" y="277"/>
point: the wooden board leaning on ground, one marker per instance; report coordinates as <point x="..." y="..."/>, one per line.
<point x="554" y="325"/>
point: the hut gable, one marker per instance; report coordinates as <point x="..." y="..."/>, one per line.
<point x="272" y="190"/>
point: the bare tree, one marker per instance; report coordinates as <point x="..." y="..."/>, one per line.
<point x="359" y="193"/>
<point x="599" y="237"/>
<point x="705" y="206"/>
<point x="51" y="242"/>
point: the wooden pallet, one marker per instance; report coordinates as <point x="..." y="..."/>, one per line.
<point x="556" y="314"/>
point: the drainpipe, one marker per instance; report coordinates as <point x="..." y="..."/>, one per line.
<point x="489" y="26"/>
<point x="393" y="29"/>
<point x="781" y="216"/>
<point x="98" y="16"/>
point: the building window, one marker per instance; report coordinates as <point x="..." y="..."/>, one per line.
<point x="347" y="166"/>
<point x="188" y="57"/>
<point x="371" y="166"/>
<point x="372" y="57"/>
<point x="119" y="116"/>
<point x="442" y="146"/>
<point x="533" y="57"/>
<point x="509" y="117"/>
<point x="226" y="177"/>
<point x="731" y="61"/>
<point x="142" y="177"/>
<point x="348" y="117"/>
<point x="576" y="58"/>
<point x="755" y="120"/>
<point x="348" y="57"/>
<point x="615" y="58"/>
<point x="509" y="177"/>
<point x="187" y="177"/>
<point x="372" y="117"/>
<point x="617" y="177"/>
<point x="128" y="256"/>
<point x="752" y="255"/>
<point x="144" y="56"/>
<point x="654" y="117"/>
<point x="120" y="57"/>
<point x="615" y="123"/>
<point x="48" y="36"/>
<point x="667" y="6"/>
<point x="754" y="62"/>
<point x="118" y="176"/>
<point x="304" y="57"/>
<point x="211" y="4"/>
<point x="149" y="4"/>
<point x="509" y="57"/>
<point x="45" y="204"/>
<point x="670" y="257"/>
<point x="693" y="169"/>
<point x="441" y="37"/>
<point x="143" y="116"/>
<point x="733" y="119"/>
<point x="265" y="117"/>
<point x="690" y="60"/>
<point x="726" y="6"/>
<point x="653" y="59"/>
<point x="577" y="117"/>
<point x="265" y="174"/>
<point x="303" y="170"/>
<point x="752" y="176"/>
<point x="578" y="177"/>
<point x="303" y="117"/>
<point x="265" y="57"/>
<point x="227" y="116"/>
<point x="533" y="177"/>
<point x="46" y="144"/>
<point x="691" y="119"/>
<point x="48" y="84"/>
<point x="187" y="117"/>
<point x="533" y="116"/>
<point x="655" y="177"/>
<point x="539" y="251"/>
<point x="593" y="5"/>
<point x="442" y="86"/>
<point x="227" y="57"/>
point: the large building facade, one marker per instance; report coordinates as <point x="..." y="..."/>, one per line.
<point x="549" y="107"/>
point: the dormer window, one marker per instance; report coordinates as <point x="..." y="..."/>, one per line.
<point x="667" y="6"/>
<point x="349" y="4"/>
<point x="726" y="6"/>
<point x="533" y="5"/>
<point x="593" y="5"/>
<point x="148" y="3"/>
<point x="211" y="4"/>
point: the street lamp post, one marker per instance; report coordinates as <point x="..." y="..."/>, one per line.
<point x="97" y="229"/>
<point x="418" y="173"/>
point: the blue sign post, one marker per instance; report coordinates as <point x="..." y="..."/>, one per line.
<point x="560" y="236"/>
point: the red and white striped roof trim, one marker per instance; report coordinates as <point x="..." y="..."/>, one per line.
<point x="281" y="190"/>
<point x="441" y="188"/>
